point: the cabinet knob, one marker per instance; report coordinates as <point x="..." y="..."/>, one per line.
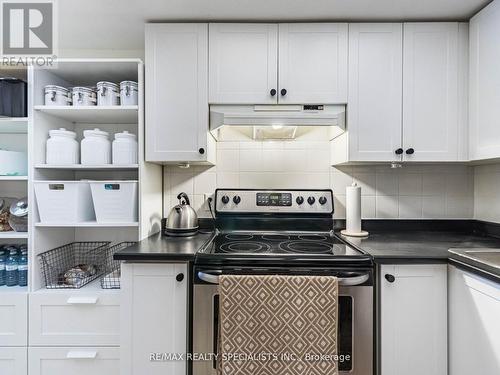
<point x="389" y="278"/>
<point x="399" y="151"/>
<point x="179" y="277"/>
<point x="410" y="151"/>
<point x="273" y="92"/>
<point x="201" y="150"/>
<point x="283" y="92"/>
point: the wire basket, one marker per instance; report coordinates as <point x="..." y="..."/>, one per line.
<point x="73" y="265"/>
<point x="112" y="272"/>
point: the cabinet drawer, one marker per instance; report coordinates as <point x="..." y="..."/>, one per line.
<point x="74" y="361"/>
<point x="74" y="318"/>
<point x="13" y="319"/>
<point x="14" y="361"/>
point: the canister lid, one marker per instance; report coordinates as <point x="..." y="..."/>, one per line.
<point x="95" y="133"/>
<point x="19" y="207"/>
<point x="107" y="84"/>
<point x="89" y="90"/>
<point x="125" y="135"/>
<point x="62" y="132"/>
<point x="56" y="88"/>
<point x="131" y="84"/>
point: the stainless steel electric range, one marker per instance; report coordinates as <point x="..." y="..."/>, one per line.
<point x="283" y="232"/>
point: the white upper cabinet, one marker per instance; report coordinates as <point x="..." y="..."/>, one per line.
<point x="312" y="63"/>
<point x="177" y="93"/>
<point x="375" y="91"/>
<point x="433" y="72"/>
<point x="243" y="63"/>
<point x="484" y="102"/>
<point x="244" y="66"/>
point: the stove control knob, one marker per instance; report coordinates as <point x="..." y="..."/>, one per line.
<point x="236" y="199"/>
<point x="225" y="199"/>
<point x="322" y="200"/>
<point x="311" y="200"/>
<point x="299" y="200"/>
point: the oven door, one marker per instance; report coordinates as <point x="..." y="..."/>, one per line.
<point x="355" y="331"/>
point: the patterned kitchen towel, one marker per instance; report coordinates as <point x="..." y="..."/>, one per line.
<point x="278" y="325"/>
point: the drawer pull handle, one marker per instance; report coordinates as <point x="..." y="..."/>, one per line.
<point x="82" y="300"/>
<point x="81" y="355"/>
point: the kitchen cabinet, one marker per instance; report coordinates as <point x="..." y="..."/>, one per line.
<point x="407" y="93"/>
<point x="434" y="91"/>
<point x="474" y="337"/>
<point x="413" y="319"/>
<point x="296" y="63"/>
<point x="177" y="94"/>
<point x="485" y="83"/>
<point x="154" y="317"/>
<point x="74" y="361"/>
<point x="13" y="361"/>
<point x="375" y="91"/>
<point x="13" y="319"/>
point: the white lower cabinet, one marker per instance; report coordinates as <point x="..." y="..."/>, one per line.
<point x="474" y="337"/>
<point x="413" y="319"/>
<point x="74" y="318"/>
<point x="13" y="319"/>
<point x="154" y="317"/>
<point x="74" y="361"/>
<point x="13" y="361"/>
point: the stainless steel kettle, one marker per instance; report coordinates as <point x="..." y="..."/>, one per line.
<point x="182" y="219"/>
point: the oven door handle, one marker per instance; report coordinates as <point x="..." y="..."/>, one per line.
<point x="343" y="281"/>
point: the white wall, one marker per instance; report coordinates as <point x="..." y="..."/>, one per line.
<point x="414" y="191"/>
<point x="487" y="193"/>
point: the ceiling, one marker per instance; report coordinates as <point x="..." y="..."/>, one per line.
<point x="119" y="24"/>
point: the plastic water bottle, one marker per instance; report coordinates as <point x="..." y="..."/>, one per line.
<point x="11" y="271"/>
<point x="2" y="266"/>
<point x="22" y="268"/>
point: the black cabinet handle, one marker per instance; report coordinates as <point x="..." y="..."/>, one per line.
<point x="389" y="278"/>
<point x="399" y="151"/>
<point x="179" y="277"/>
<point x="283" y="92"/>
<point x="201" y="150"/>
<point x="273" y="92"/>
<point x="410" y="151"/>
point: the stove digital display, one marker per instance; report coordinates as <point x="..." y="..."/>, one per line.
<point x="274" y="199"/>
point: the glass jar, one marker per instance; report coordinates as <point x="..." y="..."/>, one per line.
<point x="18" y="218"/>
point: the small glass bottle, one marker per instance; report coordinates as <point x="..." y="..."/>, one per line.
<point x="22" y="269"/>
<point x="2" y="266"/>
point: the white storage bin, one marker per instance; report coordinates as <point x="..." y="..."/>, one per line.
<point x="115" y="201"/>
<point x="64" y="201"/>
<point x="13" y="163"/>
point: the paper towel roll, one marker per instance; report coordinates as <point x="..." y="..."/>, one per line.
<point x="353" y="208"/>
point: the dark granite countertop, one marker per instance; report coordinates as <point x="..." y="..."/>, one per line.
<point x="158" y="248"/>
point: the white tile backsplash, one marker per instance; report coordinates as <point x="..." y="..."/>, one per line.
<point x="414" y="191"/>
<point x="487" y="192"/>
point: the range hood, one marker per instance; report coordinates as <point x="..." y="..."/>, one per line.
<point x="276" y="122"/>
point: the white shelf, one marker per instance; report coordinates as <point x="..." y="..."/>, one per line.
<point x="13" y="289"/>
<point x="88" y="167"/>
<point x="94" y="114"/>
<point x="13" y="235"/>
<point x="13" y="125"/>
<point x="87" y="224"/>
<point x="13" y="178"/>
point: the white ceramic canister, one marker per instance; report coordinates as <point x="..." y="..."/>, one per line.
<point x="57" y="95"/>
<point x="129" y="94"/>
<point x="62" y="148"/>
<point x="125" y="148"/>
<point x="108" y="93"/>
<point x="83" y="96"/>
<point x="95" y="148"/>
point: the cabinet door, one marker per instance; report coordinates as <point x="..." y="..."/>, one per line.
<point x="474" y="311"/>
<point x="13" y="318"/>
<point x="176" y="92"/>
<point x="243" y="63"/>
<point x="13" y="361"/>
<point x="485" y="83"/>
<point x="375" y="91"/>
<point x="430" y="91"/>
<point x="154" y="317"/>
<point x="313" y="63"/>
<point x="413" y="321"/>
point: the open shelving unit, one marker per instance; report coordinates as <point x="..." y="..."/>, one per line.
<point x="87" y="72"/>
